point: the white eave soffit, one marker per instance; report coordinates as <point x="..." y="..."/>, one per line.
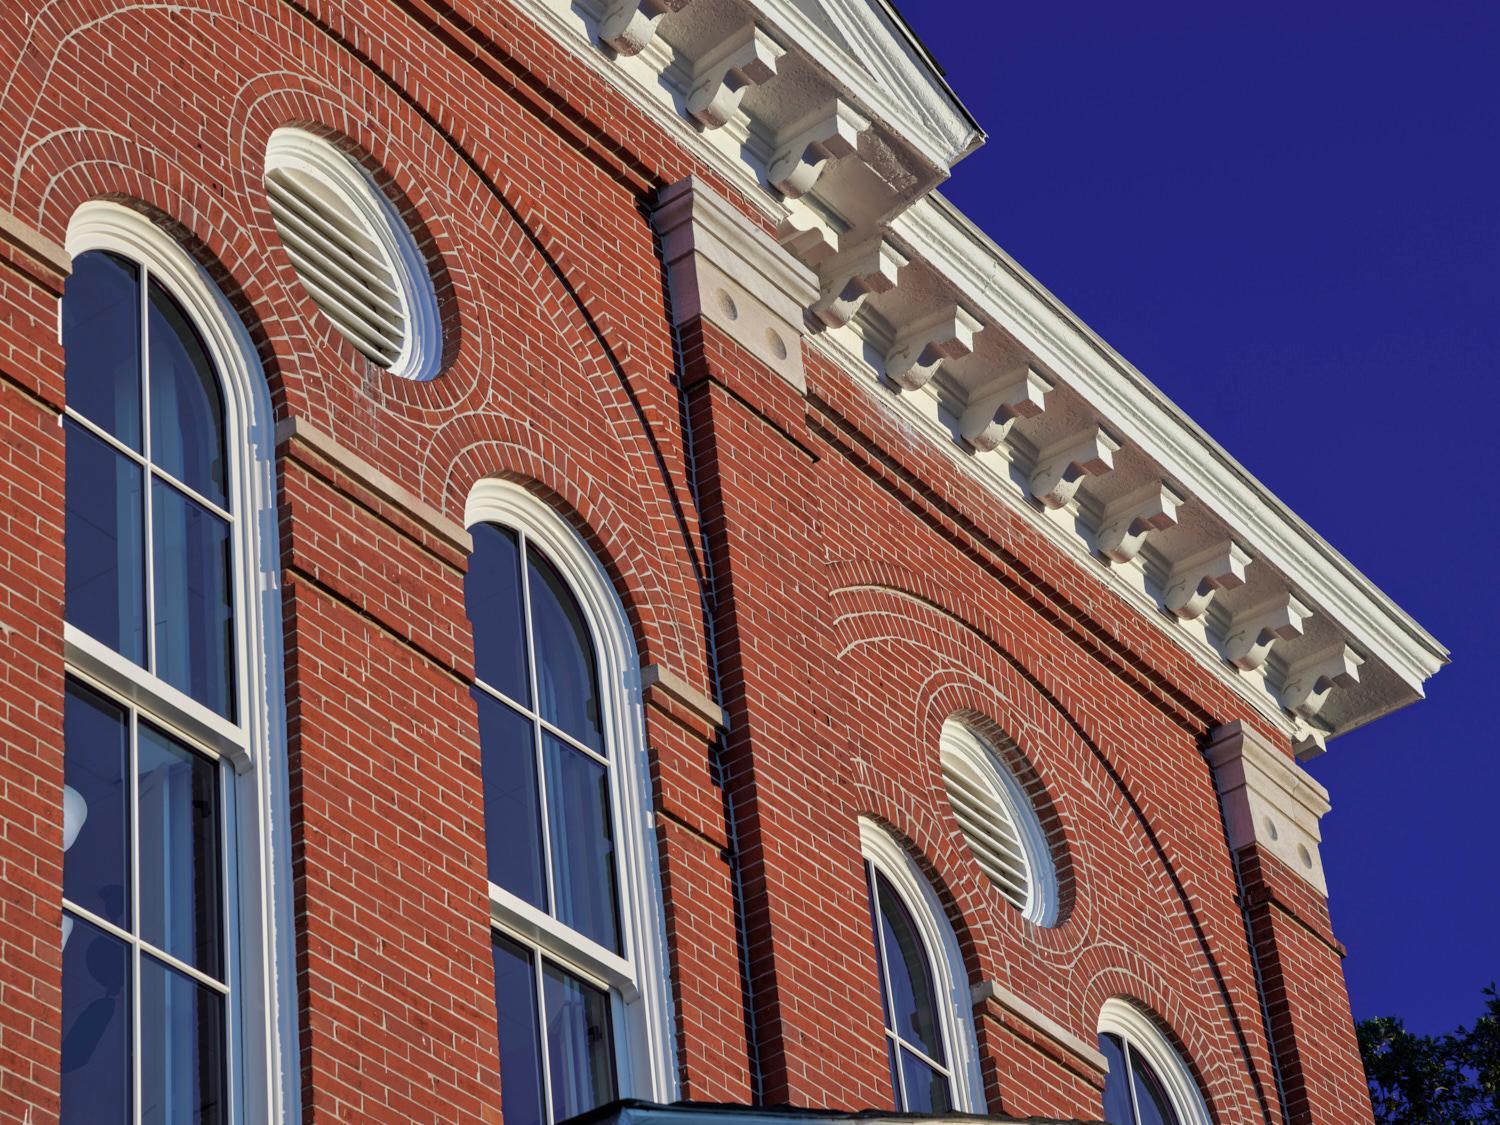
<point x="836" y="125"/>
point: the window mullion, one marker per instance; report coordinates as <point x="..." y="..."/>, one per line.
<point x="148" y="554"/>
<point x="1135" y="1102"/>
<point x="541" y="1031"/>
<point x="135" y="915"/>
<point x="538" y="743"/>
<point x="888" y="998"/>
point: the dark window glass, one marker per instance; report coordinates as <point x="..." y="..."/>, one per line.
<point x="194" y="616"/>
<point x="1117" y="1108"/>
<point x="567" y="681"/>
<point x="101" y="331"/>
<point x="96" y="805"/>
<point x="105" y="583"/>
<point x="96" y="1029"/>
<point x="182" y="1049"/>
<point x="913" y="1001"/>
<point x="580" y="1043"/>
<point x="180" y="896"/>
<point x="512" y="809"/>
<point x="583" y="846"/>
<point x="492" y="597"/>
<point x="926" y="1088"/>
<point x="521" y="1098"/>
<point x="1150" y="1098"/>
<point x="187" y="406"/>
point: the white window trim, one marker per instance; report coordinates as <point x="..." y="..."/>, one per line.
<point x="264" y="1065"/>
<point x="298" y="150"/>
<point x="955" y="1004"/>
<point x="1042" y="897"/>
<point x="1135" y="1027"/>
<point x="645" y="1037"/>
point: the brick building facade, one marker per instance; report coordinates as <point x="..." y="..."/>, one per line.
<point x="532" y="498"/>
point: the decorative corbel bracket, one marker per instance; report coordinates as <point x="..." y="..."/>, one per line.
<point x="1252" y="632"/>
<point x="1062" y="466"/>
<point x="747" y="58"/>
<point x="871" y="268"/>
<point x="922" y="346"/>
<point x="800" y="158"/>
<point x="987" y="419"/>
<point x="628" y="26"/>
<point x="1194" y="581"/>
<point x="806" y="234"/>
<point x="1127" y="521"/>
<point x="1308" y="682"/>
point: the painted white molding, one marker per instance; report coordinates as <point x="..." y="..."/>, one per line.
<point x="296" y="150"/>
<point x="722" y="267"/>
<point x="1269" y="800"/>
<point x="627" y="26"/>
<point x="1135" y="1027"/>
<point x="828" y="133"/>
<point x="745" y="59"/>
<point x="1127" y="521"/>
<point x="1062" y="466"/>
<point x="1253" y="632"/>
<point x="1195" y="580"/>
<point x="264" y="954"/>
<point x="1308" y="682"/>
<point x="648" y="1059"/>
<point x="1001" y="791"/>
<point x="921" y="347"/>
<point x="950" y="978"/>
<point x="1018" y="393"/>
<point x="855" y="275"/>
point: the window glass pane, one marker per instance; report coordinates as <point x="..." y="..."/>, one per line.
<point x="95" y="1026"/>
<point x="580" y="1044"/>
<point x="105" y="584"/>
<point x="520" y="1045"/>
<point x="180" y="898"/>
<point x="187" y="406"/>
<point x="96" y="805"/>
<point x="926" y="1089"/>
<point x="183" y="1079"/>
<point x="583" y="846"/>
<point x="1150" y="1098"/>
<point x="492" y="598"/>
<point x="101" y="329"/>
<point x="512" y="805"/>
<point x="194" y="618"/>
<point x="566" y="680"/>
<point x="890" y="1053"/>
<point x="1117" y="1109"/>
<point x="913" y="1002"/>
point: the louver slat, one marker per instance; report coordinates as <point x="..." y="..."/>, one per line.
<point x="990" y="830"/>
<point x="343" y="270"/>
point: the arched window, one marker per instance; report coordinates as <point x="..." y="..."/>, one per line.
<point x="1148" y="1083"/>
<point x="924" y="988"/>
<point x="173" y="1008"/>
<point x="575" y="903"/>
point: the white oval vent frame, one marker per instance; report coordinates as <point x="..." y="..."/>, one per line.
<point x="353" y="254"/>
<point x="999" y="823"/>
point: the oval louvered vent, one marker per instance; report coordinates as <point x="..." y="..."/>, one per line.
<point x="998" y="822"/>
<point x="356" y="261"/>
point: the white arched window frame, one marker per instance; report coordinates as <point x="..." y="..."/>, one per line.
<point x="392" y="255"/>
<point x="950" y="978"/>
<point x="991" y="783"/>
<point x="637" y="978"/>
<point x="1140" y="1032"/>
<point x="260" y="963"/>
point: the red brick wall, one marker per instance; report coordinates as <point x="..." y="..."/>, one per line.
<point x="859" y="590"/>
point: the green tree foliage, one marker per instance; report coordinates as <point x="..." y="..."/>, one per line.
<point x="1451" y="1079"/>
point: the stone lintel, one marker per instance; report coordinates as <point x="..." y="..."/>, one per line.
<point x="1044" y="1025"/>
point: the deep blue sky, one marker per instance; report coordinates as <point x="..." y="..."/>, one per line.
<point x="1288" y="216"/>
